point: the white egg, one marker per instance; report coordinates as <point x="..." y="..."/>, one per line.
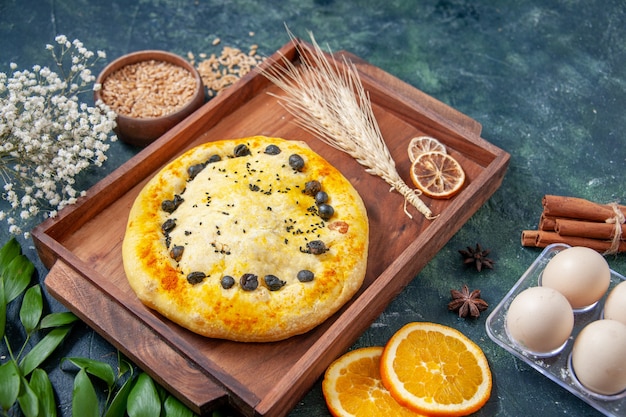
<point x="540" y="319"/>
<point x="581" y="274"/>
<point x="599" y="357"/>
<point x="615" y="305"/>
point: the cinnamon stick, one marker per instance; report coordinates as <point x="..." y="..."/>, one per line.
<point x="547" y="223"/>
<point x="579" y="222"/>
<point x="594" y="230"/>
<point x="529" y="237"/>
<point x="542" y="238"/>
<point x="578" y="208"/>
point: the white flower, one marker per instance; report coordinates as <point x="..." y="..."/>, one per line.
<point x="48" y="137"/>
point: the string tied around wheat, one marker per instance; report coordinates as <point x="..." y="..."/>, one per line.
<point x="329" y="100"/>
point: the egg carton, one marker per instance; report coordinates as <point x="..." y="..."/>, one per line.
<point x="556" y="367"/>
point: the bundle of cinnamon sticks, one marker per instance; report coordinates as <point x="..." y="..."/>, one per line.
<point x="579" y="222"/>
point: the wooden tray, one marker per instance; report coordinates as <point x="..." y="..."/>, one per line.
<point x="82" y="246"/>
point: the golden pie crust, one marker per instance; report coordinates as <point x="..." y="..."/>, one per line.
<point x="249" y="214"/>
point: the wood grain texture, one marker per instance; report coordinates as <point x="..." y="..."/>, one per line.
<point x="268" y="379"/>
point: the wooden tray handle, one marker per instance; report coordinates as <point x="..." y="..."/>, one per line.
<point x="113" y="322"/>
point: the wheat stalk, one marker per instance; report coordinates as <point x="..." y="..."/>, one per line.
<point x="329" y="100"/>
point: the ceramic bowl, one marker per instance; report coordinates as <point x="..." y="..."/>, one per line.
<point x="141" y="131"/>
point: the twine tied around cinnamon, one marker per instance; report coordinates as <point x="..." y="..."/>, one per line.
<point x="618" y="220"/>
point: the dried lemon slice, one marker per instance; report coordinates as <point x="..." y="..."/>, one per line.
<point x="437" y="175"/>
<point x="423" y="144"/>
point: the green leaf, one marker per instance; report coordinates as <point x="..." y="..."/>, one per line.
<point x="118" y="405"/>
<point x="9" y="384"/>
<point x="84" y="398"/>
<point x="57" y="319"/>
<point x="124" y="365"/>
<point x="175" y="408"/>
<point x="43" y="349"/>
<point x="29" y="403"/>
<point x="143" y="400"/>
<point x="10" y="250"/>
<point x="96" y="368"/>
<point x="3" y="310"/>
<point x="17" y="276"/>
<point x="31" y="309"/>
<point x="161" y="392"/>
<point x="41" y="386"/>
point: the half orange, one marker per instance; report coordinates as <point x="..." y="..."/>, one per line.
<point x="352" y="387"/>
<point x="436" y="370"/>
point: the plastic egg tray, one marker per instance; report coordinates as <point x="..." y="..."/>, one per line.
<point x="556" y="367"/>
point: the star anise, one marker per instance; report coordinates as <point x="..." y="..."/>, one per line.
<point x="478" y="257"/>
<point x="466" y="302"/>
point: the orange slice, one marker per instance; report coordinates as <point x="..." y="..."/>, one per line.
<point x="435" y="370"/>
<point x="352" y="387"/>
<point x="437" y="175"/>
<point x="423" y="144"/>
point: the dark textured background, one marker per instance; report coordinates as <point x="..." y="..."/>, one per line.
<point x="547" y="81"/>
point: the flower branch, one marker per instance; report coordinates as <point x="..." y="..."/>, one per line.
<point x="47" y="135"/>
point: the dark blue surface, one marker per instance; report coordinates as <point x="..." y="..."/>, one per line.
<point x="547" y="81"/>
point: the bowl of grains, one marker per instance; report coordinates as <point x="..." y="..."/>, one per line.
<point x="151" y="92"/>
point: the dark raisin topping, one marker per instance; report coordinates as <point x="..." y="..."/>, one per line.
<point x="249" y="282"/>
<point x="196" y="277"/>
<point x="273" y="282"/>
<point x="312" y="187"/>
<point x="305" y="275"/>
<point x="213" y="159"/>
<point x="227" y="282"/>
<point x="326" y="211"/>
<point x="170" y="206"/>
<point x="241" y="150"/>
<point x="272" y="150"/>
<point x="296" y="162"/>
<point x="316" y="247"/>
<point x="194" y="170"/>
<point x="168" y="225"/>
<point x="176" y="253"/>
<point x="321" y="197"/>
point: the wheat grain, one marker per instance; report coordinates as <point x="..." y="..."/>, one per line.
<point x="219" y="72"/>
<point x="328" y="99"/>
<point x="148" y="89"/>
